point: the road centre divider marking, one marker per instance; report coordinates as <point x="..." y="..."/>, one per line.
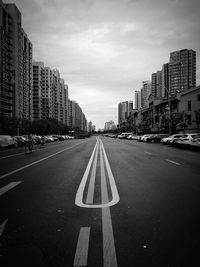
<point x="80" y="191"/>
<point x="38" y="161"/>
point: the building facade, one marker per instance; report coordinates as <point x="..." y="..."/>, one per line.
<point x="15" y="65"/>
<point x="182" y="70"/>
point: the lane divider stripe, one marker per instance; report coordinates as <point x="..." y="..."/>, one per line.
<point x="174" y="162"/>
<point x="81" y="255"/>
<point x="8" y="187"/>
<point x="38" y="161"/>
<point x="90" y="194"/>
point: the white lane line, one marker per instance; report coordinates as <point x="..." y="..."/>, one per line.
<point x="81" y="255"/>
<point x="8" y="187"/>
<point x="38" y="161"/>
<point x="90" y="194"/>
<point x="174" y="162"/>
<point x="2" y="226"/>
<point x="9" y="156"/>
<point x="147" y="152"/>
<point x="113" y="186"/>
<point x="109" y="253"/>
<point x="79" y="194"/>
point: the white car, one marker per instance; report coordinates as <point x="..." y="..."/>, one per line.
<point x="7" y="141"/>
<point x="144" y="137"/>
<point x="187" y="140"/>
<point x="171" y="138"/>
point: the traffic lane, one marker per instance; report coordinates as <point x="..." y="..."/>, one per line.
<point x="182" y="156"/>
<point x="9" y="164"/>
<point x="42" y="217"/>
<point x="156" y="221"/>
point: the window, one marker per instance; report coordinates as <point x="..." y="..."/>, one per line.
<point x="189" y="105"/>
<point x="198" y="97"/>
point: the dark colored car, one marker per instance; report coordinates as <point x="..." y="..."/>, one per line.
<point x="156" y="138"/>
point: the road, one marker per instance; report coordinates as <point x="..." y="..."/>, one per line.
<point x="100" y="202"/>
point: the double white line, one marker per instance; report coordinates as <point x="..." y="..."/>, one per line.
<point x="104" y="163"/>
<point x="109" y="253"/>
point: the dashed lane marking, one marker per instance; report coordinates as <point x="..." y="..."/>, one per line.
<point x="8" y="187"/>
<point x="81" y="255"/>
<point x="2" y="226"/>
<point x="147" y="152"/>
<point x="174" y="162"/>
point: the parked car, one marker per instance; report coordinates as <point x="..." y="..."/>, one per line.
<point x="171" y="138"/>
<point x="7" y="141"/>
<point x="132" y="137"/>
<point x="195" y="143"/>
<point x="123" y="135"/>
<point x="21" y="141"/>
<point x="156" y="138"/>
<point x="186" y="140"/>
<point x="144" y="137"/>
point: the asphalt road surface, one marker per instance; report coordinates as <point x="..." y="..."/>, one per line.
<point x="100" y="202"/>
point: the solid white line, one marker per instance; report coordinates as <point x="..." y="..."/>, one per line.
<point x="38" y="161"/>
<point x="9" y="156"/>
<point x="174" y="162"/>
<point x="79" y="194"/>
<point x="109" y="253"/>
<point x="90" y="194"/>
<point x="2" y="226"/>
<point x="113" y="186"/>
<point x="8" y="187"/>
<point x="82" y="247"/>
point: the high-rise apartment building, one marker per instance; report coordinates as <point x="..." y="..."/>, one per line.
<point x="124" y="111"/>
<point x="156" y="84"/>
<point x="137" y="100"/>
<point x="46" y="93"/>
<point x="16" y="65"/>
<point x="165" y="80"/>
<point x="145" y="93"/>
<point x="27" y="78"/>
<point x="38" y="69"/>
<point x="182" y="70"/>
<point x="109" y="125"/>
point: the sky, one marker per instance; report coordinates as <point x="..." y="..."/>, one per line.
<point x="104" y="49"/>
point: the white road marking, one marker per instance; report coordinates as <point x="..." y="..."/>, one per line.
<point x="38" y="161"/>
<point x="90" y="194"/>
<point x="2" y="226"/>
<point x="174" y="162"/>
<point x="113" y="186"/>
<point x="109" y="253"/>
<point x="9" y="156"/>
<point x="81" y="255"/>
<point x="8" y="187"/>
<point x="79" y="194"/>
<point x="149" y="153"/>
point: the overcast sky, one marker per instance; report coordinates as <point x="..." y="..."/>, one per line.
<point x="104" y="49"/>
